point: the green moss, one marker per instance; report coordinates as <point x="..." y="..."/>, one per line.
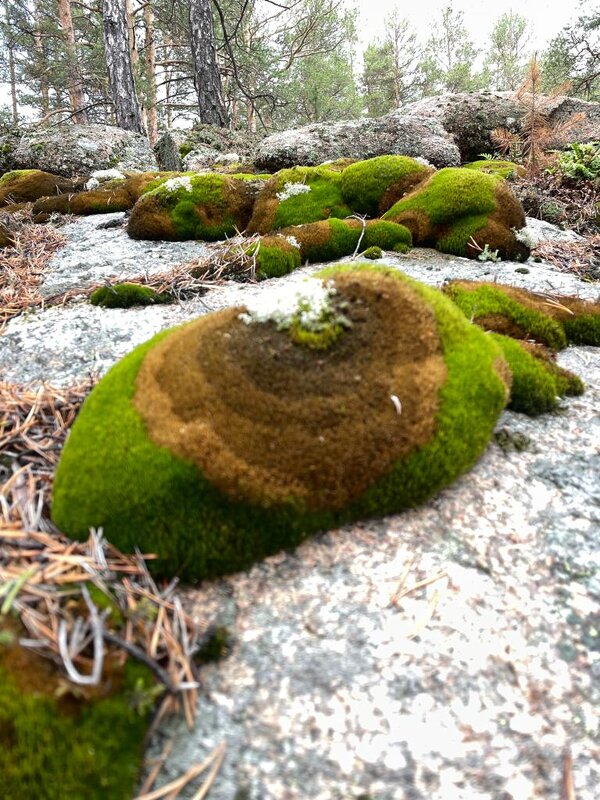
<point x="274" y="257"/>
<point x="387" y="235"/>
<point x="324" y="200"/>
<point x="143" y="496"/>
<point x="504" y="169"/>
<point x="373" y="253"/>
<point x="456" y="240"/>
<point x="451" y="193"/>
<point x="583" y="329"/>
<point x="537" y="383"/>
<point x="125" y="295"/>
<point x="365" y="183"/>
<point x="342" y="241"/>
<point x="493" y="307"/>
<point x="92" y="752"/>
<point x="216" y="645"/>
<point x="316" y="340"/>
<point x="14" y="175"/>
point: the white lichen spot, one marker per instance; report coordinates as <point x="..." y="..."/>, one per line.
<point x="526" y="236"/>
<point x="102" y="176"/>
<point x="293" y="241"/>
<point x="308" y="304"/>
<point x="292" y="190"/>
<point x="174" y="184"/>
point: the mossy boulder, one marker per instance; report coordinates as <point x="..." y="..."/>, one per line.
<point x="320" y="242"/>
<point x="545" y="319"/>
<point x="114" y="195"/>
<point x="373" y="186"/>
<point x="27" y="185"/>
<point x="204" y="206"/>
<point x="127" y="295"/>
<point x="459" y="211"/>
<point x="537" y="380"/>
<point x="297" y="196"/>
<point x="505" y="169"/>
<point x="230" y="441"/>
<point x="61" y="741"/>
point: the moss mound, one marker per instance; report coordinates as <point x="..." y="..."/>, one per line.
<point x="232" y="441"/>
<point x="373" y="253"/>
<point x="203" y="206"/>
<point x="504" y="169"/>
<point x="297" y="196"/>
<point x="537" y="380"/>
<point x="126" y="295"/>
<point x="373" y="186"/>
<point x="459" y="211"/>
<point x="275" y="256"/>
<point x="113" y="195"/>
<point x="551" y="321"/>
<point x="56" y="745"/>
<point x="27" y="185"/>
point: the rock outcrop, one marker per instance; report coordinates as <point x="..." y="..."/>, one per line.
<point x="70" y="150"/>
<point x="359" y="139"/>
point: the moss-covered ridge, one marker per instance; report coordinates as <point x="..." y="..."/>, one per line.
<point x="161" y="499"/>
<point x="27" y="185"/>
<point x="549" y="320"/>
<point x="505" y="169"/>
<point x="74" y="744"/>
<point x="460" y="211"/>
<point x="203" y="206"/>
<point x="372" y="186"/>
<point x="317" y="242"/>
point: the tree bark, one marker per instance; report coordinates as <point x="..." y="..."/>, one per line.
<point x="207" y="77"/>
<point x="119" y="68"/>
<point x="41" y="63"/>
<point x="74" y="87"/>
<point x="150" y="58"/>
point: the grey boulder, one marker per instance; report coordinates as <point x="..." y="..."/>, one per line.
<point x="77" y="150"/>
<point x="362" y="138"/>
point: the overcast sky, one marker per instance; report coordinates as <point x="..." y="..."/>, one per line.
<point x="546" y="17"/>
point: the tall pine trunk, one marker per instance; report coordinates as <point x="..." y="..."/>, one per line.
<point x="119" y="68"/>
<point x="150" y="59"/>
<point x="207" y="77"/>
<point x="74" y="86"/>
<point x="42" y="63"/>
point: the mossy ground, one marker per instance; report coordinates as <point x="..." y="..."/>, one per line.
<point x="372" y="186"/>
<point x="126" y="295"/>
<point x="209" y="207"/>
<point x="145" y="496"/>
<point x="58" y="745"/>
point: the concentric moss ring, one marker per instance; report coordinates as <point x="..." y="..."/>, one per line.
<point x="265" y="441"/>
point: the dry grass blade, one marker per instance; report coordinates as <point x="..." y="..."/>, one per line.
<point x="174" y="787"/>
<point x="22" y="266"/>
<point x="568" y="787"/>
<point x="156" y="768"/>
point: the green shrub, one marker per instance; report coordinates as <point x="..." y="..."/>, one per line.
<point x="580" y="161"/>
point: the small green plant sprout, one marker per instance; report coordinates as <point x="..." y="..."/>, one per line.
<point x="307" y="310"/>
<point x="486" y="253"/>
<point x="487" y="156"/>
<point x="579" y="162"/>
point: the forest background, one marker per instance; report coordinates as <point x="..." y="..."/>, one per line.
<point x="263" y="65"/>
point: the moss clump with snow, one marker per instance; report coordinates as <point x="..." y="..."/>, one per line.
<point x="459" y="211"/>
<point x="233" y="438"/>
<point x="297" y="196"/>
<point x="27" y="185"/>
<point x="126" y="295"/>
<point x="373" y="186"/>
<point x="548" y="320"/>
<point x="205" y="206"/>
<point x="57" y="744"/>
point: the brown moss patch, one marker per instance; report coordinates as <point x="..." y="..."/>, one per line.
<point x="149" y="220"/>
<point x="402" y="187"/>
<point x="268" y="421"/>
<point x="28" y="186"/>
<point x="118" y="195"/>
<point x="265" y="208"/>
